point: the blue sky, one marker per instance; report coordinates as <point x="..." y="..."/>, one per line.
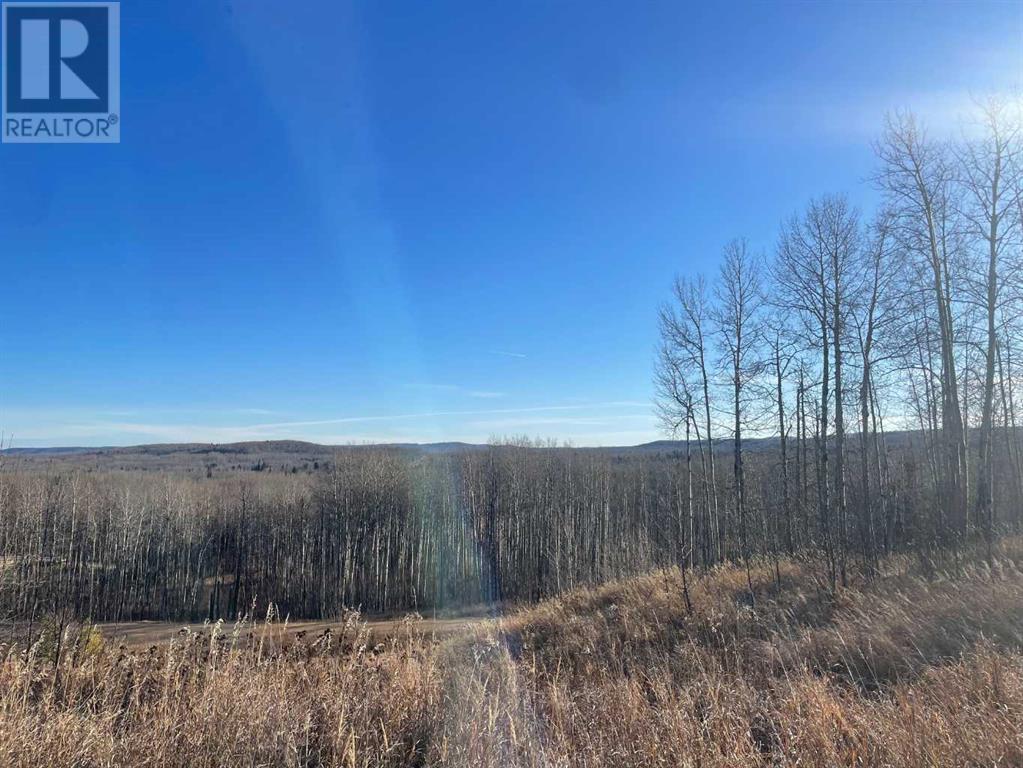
<point x="433" y="221"/>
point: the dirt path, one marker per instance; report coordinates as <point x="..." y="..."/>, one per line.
<point x="142" y="633"/>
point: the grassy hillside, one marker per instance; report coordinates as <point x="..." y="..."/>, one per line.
<point x="914" y="667"/>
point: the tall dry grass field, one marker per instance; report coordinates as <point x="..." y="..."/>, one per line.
<point x="906" y="669"/>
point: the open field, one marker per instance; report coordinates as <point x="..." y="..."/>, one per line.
<point x="917" y="666"/>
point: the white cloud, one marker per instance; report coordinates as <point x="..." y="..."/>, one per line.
<point x="457" y="389"/>
<point x="519" y="355"/>
<point x="583" y="423"/>
<point x="521" y="424"/>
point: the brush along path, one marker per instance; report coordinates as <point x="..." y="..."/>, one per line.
<point x="139" y="634"/>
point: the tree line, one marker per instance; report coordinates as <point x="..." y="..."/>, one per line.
<point x="850" y="325"/>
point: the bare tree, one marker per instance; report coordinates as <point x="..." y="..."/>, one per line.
<point x="838" y="226"/>
<point x="684" y="326"/>
<point x="781" y="357"/>
<point x="987" y="168"/>
<point x="737" y="318"/>
<point x="815" y="273"/>
<point x="918" y="179"/>
<point x="873" y="320"/>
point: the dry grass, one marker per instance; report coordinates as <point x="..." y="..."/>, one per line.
<point x="905" y="670"/>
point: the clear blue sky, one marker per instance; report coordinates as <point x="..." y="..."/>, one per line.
<point x="431" y="221"/>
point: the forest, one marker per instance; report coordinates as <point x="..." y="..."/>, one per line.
<point x="845" y="393"/>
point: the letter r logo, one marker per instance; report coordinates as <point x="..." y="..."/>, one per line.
<point x="57" y="57"/>
<point x="36" y="62"/>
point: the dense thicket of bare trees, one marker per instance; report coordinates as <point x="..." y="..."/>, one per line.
<point x="393" y="530"/>
<point x="381" y="530"/>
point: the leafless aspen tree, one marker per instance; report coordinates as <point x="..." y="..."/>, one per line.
<point x="987" y="167"/>
<point x="918" y="179"/>
<point x="740" y="298"/>
<point x="874" y="319"/>
<point x="814" y="271"/>
<point x="684" y="326"/>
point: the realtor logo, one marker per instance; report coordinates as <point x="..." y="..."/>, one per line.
<point x="61" y="73"/>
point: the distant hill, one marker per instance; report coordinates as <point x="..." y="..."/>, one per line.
<point x="249" y="448"/>
<point x="298" y="455"/>
<point x="263" y="455"/>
